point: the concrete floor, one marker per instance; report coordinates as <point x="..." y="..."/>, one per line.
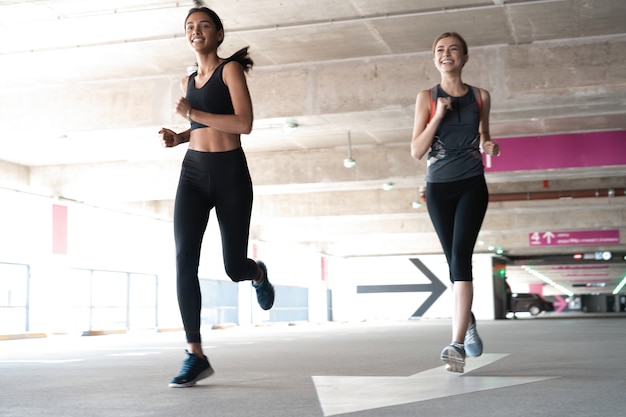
<point x="572" y="366"/>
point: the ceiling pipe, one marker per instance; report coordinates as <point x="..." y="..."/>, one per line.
<point x="558" y="195"/>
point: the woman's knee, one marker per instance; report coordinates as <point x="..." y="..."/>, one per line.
<point x="241" y="271"/>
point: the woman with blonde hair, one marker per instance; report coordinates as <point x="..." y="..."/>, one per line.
<point x="451" y="125"/>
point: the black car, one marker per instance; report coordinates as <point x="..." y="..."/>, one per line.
<point x="530" y="303"/>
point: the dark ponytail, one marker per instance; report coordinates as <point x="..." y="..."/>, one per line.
<point x="243" y="58"/>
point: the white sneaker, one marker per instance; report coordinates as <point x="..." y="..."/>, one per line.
<point x="454" y="357"/>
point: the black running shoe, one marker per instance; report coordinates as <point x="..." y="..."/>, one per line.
<point x="264" y="290"/>
<point x="194" y="369"/>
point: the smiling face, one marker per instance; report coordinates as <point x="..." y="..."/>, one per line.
<point x="202" y="32"/>
<point x="450" y="54"/>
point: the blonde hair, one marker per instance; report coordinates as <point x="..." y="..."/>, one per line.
<point x="448" y="35"/>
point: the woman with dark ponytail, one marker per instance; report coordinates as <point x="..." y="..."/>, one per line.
<point x="214" y="174"/>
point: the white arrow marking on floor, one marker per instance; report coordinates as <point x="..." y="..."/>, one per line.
<point x="347" y="394"/>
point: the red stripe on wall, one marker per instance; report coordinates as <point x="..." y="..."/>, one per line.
<point x="59" y="229"/>
<point x="255" y="251"/>
<point x="324" y="268"/>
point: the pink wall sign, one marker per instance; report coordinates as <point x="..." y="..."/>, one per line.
<point x="575" y="150"/>
<point x="581" y="237"/>
<point x="59" y="229"/>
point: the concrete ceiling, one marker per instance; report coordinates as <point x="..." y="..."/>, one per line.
<point x="86" y="85"/>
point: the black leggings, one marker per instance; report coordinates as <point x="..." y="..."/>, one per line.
<point x="208" y="180"/>
<point x="457" y="210"/>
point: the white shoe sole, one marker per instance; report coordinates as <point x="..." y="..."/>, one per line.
<point x="455" y="367"/>
<point x="453" y="363"/>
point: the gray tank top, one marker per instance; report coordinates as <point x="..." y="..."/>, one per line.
<point x="455" y="151"/>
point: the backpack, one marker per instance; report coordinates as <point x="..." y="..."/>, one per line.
<point x="433" y="99"/>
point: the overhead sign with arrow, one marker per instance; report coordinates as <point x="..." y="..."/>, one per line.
<point x="574" y="238"/>
<point x="435" y="288"/>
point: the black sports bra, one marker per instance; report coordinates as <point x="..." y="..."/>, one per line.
<point x="212" y="97"/>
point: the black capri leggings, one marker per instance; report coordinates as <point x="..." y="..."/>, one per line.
<point x="457" y="210"/>
<point x="208" y="180"/>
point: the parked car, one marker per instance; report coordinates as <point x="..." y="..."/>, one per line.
<point x="530" y="303"/>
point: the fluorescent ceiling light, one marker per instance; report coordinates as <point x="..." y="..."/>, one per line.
<point x="620" y="286"/>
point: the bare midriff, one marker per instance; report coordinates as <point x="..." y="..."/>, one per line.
<point x="210" y="140"/>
